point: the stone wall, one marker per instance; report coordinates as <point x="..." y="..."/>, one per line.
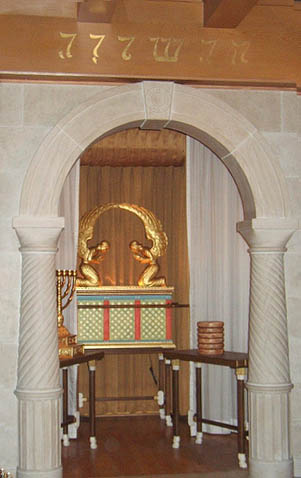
<point x="27" y="113"/>
<point x="278" y="116"/>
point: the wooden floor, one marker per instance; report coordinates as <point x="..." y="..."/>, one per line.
<point x="135" y="446"/>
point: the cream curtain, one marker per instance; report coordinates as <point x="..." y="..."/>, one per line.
<point x="219" y="273"/>
<point x="66" y="259"/>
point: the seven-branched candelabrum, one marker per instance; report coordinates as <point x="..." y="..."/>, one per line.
<point x="65" y="285"/>
<point x="5" y="474"/>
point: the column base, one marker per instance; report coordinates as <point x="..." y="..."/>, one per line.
<point x="278" y="469"/>
<point x="93" y="443"/>
<point x="242" y="460"/>
<point x="56" y="473"/>
<point x="168" y="420"/>
<point x="66" y="441"/>
<point x="176" y="441"/>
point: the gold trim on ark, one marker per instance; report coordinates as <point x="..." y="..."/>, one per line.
<point x="123" y="345"/>
<point x="124" y="290"/>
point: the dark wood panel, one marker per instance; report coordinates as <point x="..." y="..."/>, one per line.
<point x="228" y="359"/>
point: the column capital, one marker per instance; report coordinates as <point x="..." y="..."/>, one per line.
<point x="38" y="233"/>
<point x="267" y="234"/>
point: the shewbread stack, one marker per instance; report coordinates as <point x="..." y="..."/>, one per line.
<point x="211" y="338"/>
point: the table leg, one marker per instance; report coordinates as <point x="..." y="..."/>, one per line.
<point x="198" y="376"/>
<point x="66" y="441"/>
<point x="77" y="412"/>
<point x="161" y="387"/>
<point x="168" y="419"/>
<point x="175" y="403"/>
<point x="92" y="415"/>
<point x="191" y="416"/>
<point x="240" y="377"/>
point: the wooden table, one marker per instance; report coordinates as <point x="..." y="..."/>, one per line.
<point x="235" y="360"/>
<point x="89" y="357"/>
<point x="160" y="398"/>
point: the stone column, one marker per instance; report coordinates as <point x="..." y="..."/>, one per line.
<point x="38" y="387"/>
<point x="269" y="382"/>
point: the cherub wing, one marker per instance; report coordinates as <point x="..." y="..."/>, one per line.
<point x="86" y="227"/>
<point x="152" y="225"/>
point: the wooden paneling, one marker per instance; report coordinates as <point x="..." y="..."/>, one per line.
<point x="142" y="11"/>
<point x="99" y="11"/>
<point x="226" y="13"/>
<point x="263" y="51"/>
<point x="45" y="8"/>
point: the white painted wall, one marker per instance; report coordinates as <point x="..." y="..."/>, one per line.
<point x="27" y="114"/>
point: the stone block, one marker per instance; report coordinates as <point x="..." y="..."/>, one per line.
<point x="10" y="274"/>
<point x="45" y="105"/>
<point x="296" y="401"/>
<point x="293" y="274"/>
<point x="291" y="112"/>
<point x="11" y="104"/>
<point x="295" y="358"/>
<point x="8" y="353"/>
<point x="261" y="108"/>
<point x="18" y="145"/>
<point x="294" y="191"/>
<point x="287" y="146"/>
<point x="293" y="316"/>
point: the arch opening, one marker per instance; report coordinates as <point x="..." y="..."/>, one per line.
<point x="195" y="113"/>
<point x="148" y="105"/>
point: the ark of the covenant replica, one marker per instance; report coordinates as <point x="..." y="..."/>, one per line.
<point x="123" y="316"/>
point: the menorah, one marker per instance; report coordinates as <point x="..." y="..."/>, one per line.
<point x="65" y="285"/>
<point x="5" y="474"/>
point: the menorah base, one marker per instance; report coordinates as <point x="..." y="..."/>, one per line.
<point x="65" y="338"/>
<point x="68" y="346"/>
<point x="5" y="474"/>
<point x="70" y="351"/>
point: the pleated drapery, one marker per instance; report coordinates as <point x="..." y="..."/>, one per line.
<point x="219" y="266"/>
<point x="219" y="272"/>
<point x="66" y="258"/>
<point x="162" y="190"/>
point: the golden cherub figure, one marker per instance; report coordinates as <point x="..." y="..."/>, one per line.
<point x="92" y="255"/>
<point x="145" y="255"/>
<point x="153" y="231"/>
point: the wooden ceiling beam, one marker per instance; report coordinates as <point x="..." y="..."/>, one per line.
<point x="226" y="13"/>
<point x="96" y="11"/>
<point x="43" y="8"/>
<point x="141" y="11"/>
<point x="277" y="3"/>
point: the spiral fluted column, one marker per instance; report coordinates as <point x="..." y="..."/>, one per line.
<point x="38" y="388"/>
<point x="269" y="378"/>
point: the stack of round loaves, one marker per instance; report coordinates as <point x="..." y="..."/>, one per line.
<point x="211" y="338"/>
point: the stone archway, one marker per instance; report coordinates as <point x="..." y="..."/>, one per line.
<point x="266" y="228"/>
